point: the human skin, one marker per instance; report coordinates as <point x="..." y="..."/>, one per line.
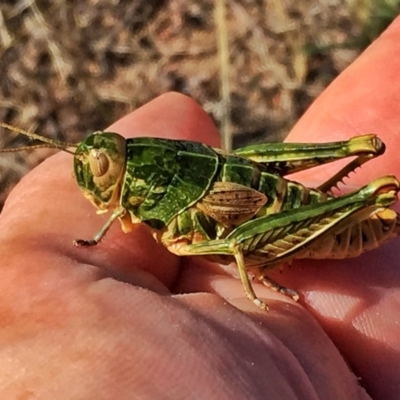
<point x="128" y="320"/>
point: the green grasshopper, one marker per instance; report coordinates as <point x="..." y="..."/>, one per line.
<point x="198" y="200"/>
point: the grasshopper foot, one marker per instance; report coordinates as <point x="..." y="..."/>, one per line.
<point x="84" y="243"/>
<point x="278" y="288"/>
<point x="259" y="303"/>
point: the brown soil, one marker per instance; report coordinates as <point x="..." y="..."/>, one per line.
<point x="69" y="68"/>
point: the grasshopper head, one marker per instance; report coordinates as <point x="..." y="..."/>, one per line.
<point x="99" y="166"/>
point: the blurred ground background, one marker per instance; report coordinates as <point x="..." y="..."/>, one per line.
<point x="69" y="68"/>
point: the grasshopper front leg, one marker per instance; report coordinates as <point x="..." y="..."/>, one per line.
<point x="118" y="213"/>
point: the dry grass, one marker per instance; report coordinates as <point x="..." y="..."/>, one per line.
<point x="69" y="68"/>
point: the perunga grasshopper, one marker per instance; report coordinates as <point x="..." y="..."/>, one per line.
<point x="198" y="200"/>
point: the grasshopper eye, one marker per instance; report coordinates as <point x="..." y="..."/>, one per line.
<point x="99" y="163"/>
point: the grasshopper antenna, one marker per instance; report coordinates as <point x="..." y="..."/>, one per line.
<point x="46" y="142"/>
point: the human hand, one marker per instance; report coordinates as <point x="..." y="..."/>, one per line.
<point x="104" y="323"/>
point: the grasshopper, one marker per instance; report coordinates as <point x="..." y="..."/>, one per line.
<point x="199" y="201"/>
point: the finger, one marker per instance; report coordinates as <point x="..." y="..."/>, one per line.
<point x="172" y="116"/>
<point x="363" y="99"/>
<point x="49" y="202"/>
<point x="320" y="362"/>
<point x="355" y="300"/>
